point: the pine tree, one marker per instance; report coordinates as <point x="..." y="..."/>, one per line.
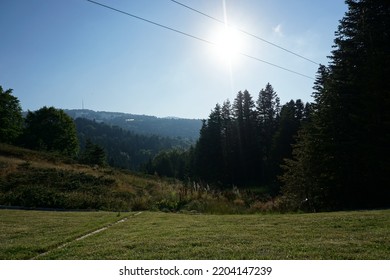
<point x="245" y="140"/>
<point x="342" y="156"/>
<point x="227" y="135"/>
<point x="208" y="155"/>
<point x="268" y="105"/>
<point x="93" y="154"/>
<point x="268" y="108"/>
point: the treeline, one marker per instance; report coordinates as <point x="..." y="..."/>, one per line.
<point x="241" y="144"/>
<point x="47" y="129"/>
<point x="81" y="140"/>
<point x="186" y="129"/>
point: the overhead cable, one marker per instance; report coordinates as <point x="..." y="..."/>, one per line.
<point x="195" y="37"/>
<point x="245" y="32"/>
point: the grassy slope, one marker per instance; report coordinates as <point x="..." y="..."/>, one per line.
<point x="24" y="172"/>
<point x="156" y="235"/>
<point x="45" y="180"/>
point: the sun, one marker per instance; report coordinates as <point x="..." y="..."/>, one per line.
<point x="228" y="44"/>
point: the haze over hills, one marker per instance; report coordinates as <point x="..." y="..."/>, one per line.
<point x="142" y="124"/>
<point x="125" y="148"/>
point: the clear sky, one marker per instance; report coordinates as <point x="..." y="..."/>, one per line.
<point x="63" y="53"/>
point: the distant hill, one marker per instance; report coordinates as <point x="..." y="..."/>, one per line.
<point x="187" y="129"/>
<point x="124" y="148"/>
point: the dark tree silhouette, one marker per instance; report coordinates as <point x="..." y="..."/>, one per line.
<point x="11" y="120"/>
<point x="341" y="159"/>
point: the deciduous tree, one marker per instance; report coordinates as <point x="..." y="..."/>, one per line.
<point x="51" y="129"/>
<point x="11" y="120"/>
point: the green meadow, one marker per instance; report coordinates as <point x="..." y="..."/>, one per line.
<point x="158" y="235"/>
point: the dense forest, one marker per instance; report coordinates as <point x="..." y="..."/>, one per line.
<point x="241" y="144"/>
<point x="124" y="148"/>
<point x="86" y="141"/>
<point x="330" y="154"/>
<point x="187" y="129"/>
<point x="341" y="159"/>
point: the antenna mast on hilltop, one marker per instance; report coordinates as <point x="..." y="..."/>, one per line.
<point x="82" y="104"/>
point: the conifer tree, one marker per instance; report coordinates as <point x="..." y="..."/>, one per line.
<point x="342" y="156"/>
<point x="93" y="154"/>
<point x="208" y="155"/>
<point x="268" y="109"/>
<point x="227" y="135"/>
<point x="245" y="140"/>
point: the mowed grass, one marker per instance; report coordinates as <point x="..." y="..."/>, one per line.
<point x="27" y="234"/>
<point x="156" y="235"/>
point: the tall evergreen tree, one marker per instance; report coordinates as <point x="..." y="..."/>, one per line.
<point x="245" y="138"/>
<point x="268" y="108"/>
<point x="343" y="155"/>
<point x="268" y="105"/>
<point x="228" y="135"/>
<point x="289" y="123"/>
<point x="208" y="155"/>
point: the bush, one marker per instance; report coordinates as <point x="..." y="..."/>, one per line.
<point x="195" y="205"/>
<point x="269" y="206"/>
<point x="142" y="201"/>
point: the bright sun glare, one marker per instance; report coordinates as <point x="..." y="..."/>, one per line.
<point x="228" y="44"/>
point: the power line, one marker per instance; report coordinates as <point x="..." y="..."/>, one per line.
<point x="151" y="22"/>
<point x="277" y="66"/>
<point x="195" y="37"/>
<point x="245" y="32"/>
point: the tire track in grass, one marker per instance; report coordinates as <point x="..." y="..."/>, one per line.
<point x="85" y="236"/>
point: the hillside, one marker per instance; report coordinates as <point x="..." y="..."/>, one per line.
<point x="43" y="180"/>
<point x="31" y="179"/>
<point x="188" y="129"/>
<point x="124" y="148"/>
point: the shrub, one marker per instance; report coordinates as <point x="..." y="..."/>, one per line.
<point x="269" y="206"/>
<point x="195" y="205"/>
<point x="141" y="202"/>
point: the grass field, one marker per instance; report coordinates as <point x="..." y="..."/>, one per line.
<point x="26" y="234"/>
<point x="156" y="235"/>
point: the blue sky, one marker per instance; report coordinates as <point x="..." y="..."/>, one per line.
<point x="64" y="52"/>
